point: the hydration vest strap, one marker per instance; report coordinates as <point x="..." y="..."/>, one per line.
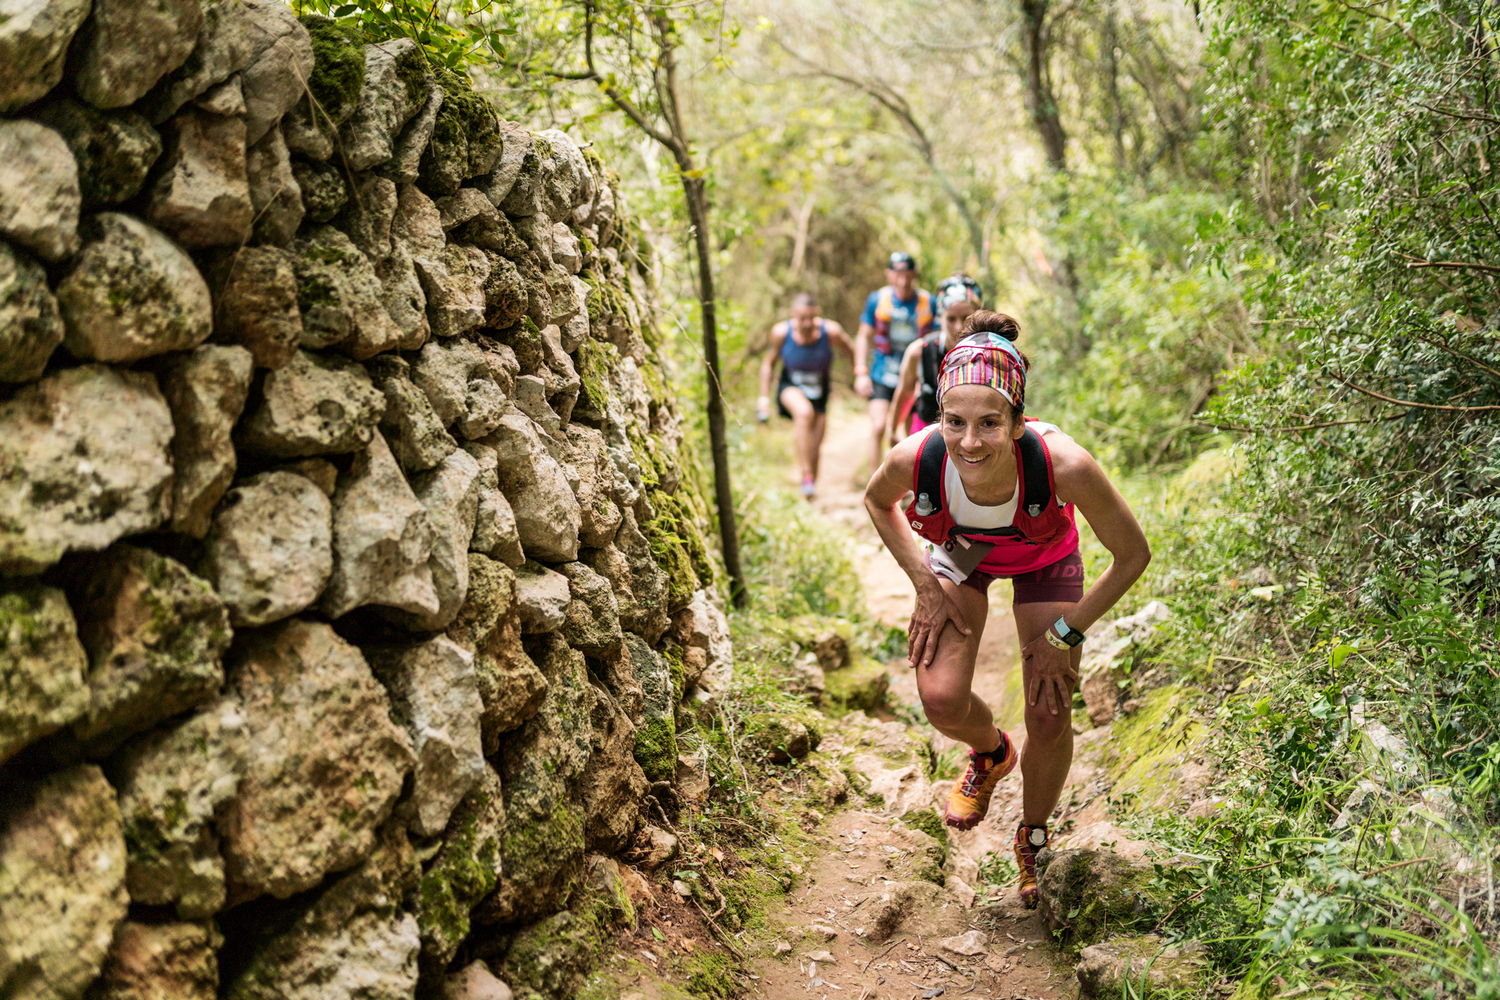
<point x="1035" y="473"/>
<point x="930" y="475"/>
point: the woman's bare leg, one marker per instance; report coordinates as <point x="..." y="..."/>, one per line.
<point x="1048" y="753"/>
<point x="946" y="686"/>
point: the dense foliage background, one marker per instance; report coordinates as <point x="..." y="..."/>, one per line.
<point x="1253" y="247"/>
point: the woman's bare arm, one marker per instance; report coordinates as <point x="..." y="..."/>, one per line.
<point x="934" y="608"/>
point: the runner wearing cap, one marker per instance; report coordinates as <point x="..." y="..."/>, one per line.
<point x="895" y="316"/>
<point x="914" y="406"/>
<point x="805" y="344"/>
<point x="995" y="495"/>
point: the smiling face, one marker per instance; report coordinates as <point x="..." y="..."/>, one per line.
<point x="904" y="281"/>
<point x="978" y="426"/>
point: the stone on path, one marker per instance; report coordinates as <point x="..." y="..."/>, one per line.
<point x="1104" y="970"/>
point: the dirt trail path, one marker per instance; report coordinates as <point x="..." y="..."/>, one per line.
<point x="827" y="923"/>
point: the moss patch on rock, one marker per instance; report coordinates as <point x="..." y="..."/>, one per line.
<point x="861" y="685"/>
<point x="338" y="73"/>
<point x="656" y="749"/>
<point x="1088" y="896"/>
<point x="1150" y="745"/>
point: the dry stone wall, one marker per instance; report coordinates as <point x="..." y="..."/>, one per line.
<point x="351" y="580"/>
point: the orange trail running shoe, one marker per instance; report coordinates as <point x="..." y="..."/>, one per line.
<point x="1030" y="841"/>
<point x="970" y="798"/>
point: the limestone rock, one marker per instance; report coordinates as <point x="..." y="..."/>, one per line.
<point x="465" y="870"/>
<point x="402" y="295"/>
<point x="453" y="281"/>
<point x="269" y="552"/>
<point x="325" y="762"/>
<point x="435" y="695"/>
<point x="450" y="492"/>
<point x="1107" y="657"/>
<point x="341" y="296"/>
<point x="94" y="444"/>
<point x="39" y="195"/>
<point x="412" y="428"/>
<point x="475" y="982"/>
<point x="592" y="620"/>
<point x="495" y="531"/>
<point x="114" y="150"/>
<point x="542" y="769"/>
<point x="395" y="88"/>
<point x="131" y="294"/>
<point x="201" y="197"/>
<point x="154" y="634"/>
<point x="506" y="296"/>
<point x="255" y="304"/>
<point x="333" y="90"/>
<point x="353" y="942"/>
<point x="275" y="195"/>
<point x="781" y="739"/>
<point x="281" y="61"/>
<point x="567" y="254"/>
<point x="324" y="190"/>
<point x="1144" y="962"/>
<point x="465" y="140"/>
<point x="516" y="145"/>
<point x="648" y="582"/>
<point x="369" y="215"/>
<point x="30" y="325"/>
<point x="156" y="961"/>
<point x="548" y="518"/>
<point x="226" y="44"/>
<point x="542" y="597"/>
<point x="127" y="46"/>
<point x="568" y="183"/>
<point x="461" y="379"/>
<point x="709" y="630"/>
<point x="895" y="762"/>
<point x="511" y="687"/>
<point x="600" y="517"/>
<point x="62" y="882"/>
<point x="316" y="405"/>
<point x="1084" y="893"/>
<point x="382" y="540"/>
<point x="227" y="98"/>
<point x="407" y="150"/>
<point x="33" y="44"/>
<point x="43" y="667"/>
<point x="205" y="389"/>
<point x="174" y="783"/>
<point x="613" y="784"/>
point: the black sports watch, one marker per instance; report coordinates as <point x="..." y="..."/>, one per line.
<point x="1067" y="636"/>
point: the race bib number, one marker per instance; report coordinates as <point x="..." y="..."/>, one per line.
<point x="810" y="382"/>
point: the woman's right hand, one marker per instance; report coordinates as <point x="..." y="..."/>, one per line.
<point x="934" y="610"/>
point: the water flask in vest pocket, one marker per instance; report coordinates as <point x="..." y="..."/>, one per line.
<point x="924" y="505"/>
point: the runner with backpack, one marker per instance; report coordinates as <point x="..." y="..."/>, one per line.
<point x="995" y="496"/>
<point x="895" y="317"/>
<point x="805" y="344"/>
<point x="915" y="404"/>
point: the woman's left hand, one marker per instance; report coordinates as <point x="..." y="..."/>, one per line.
<point x="1050" y="675"/>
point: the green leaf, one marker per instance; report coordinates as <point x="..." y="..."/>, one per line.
<point x="656" y="933"/>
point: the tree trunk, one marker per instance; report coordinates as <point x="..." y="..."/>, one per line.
<point x="1039" y="100"/>
<point x="729" y="540"/>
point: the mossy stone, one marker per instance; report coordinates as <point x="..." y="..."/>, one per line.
<point x="656" y="749"/>
<point x="338" y="73"/>
<point x="1089" y="895"/>
<point x="861" y="685"/>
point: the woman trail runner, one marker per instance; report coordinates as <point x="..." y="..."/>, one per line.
<point x="805" y="346"/>
<point x="995" y="494"/>
<point x="916" y="394"/>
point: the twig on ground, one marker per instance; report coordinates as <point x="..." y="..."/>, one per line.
<point x="881" y="955"/>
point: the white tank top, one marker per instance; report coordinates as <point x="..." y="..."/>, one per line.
<point x="972" y="515"/>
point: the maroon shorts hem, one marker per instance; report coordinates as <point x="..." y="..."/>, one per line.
<point x="1060" y="582"/>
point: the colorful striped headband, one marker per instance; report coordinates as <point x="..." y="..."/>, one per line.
<point x="985" y="359"/>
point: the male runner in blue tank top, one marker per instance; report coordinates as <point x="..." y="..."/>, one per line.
<point x="894" y="318"/>
<point x="805" y="346"/>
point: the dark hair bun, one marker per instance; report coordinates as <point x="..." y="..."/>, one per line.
<point x="985" y="321"/>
